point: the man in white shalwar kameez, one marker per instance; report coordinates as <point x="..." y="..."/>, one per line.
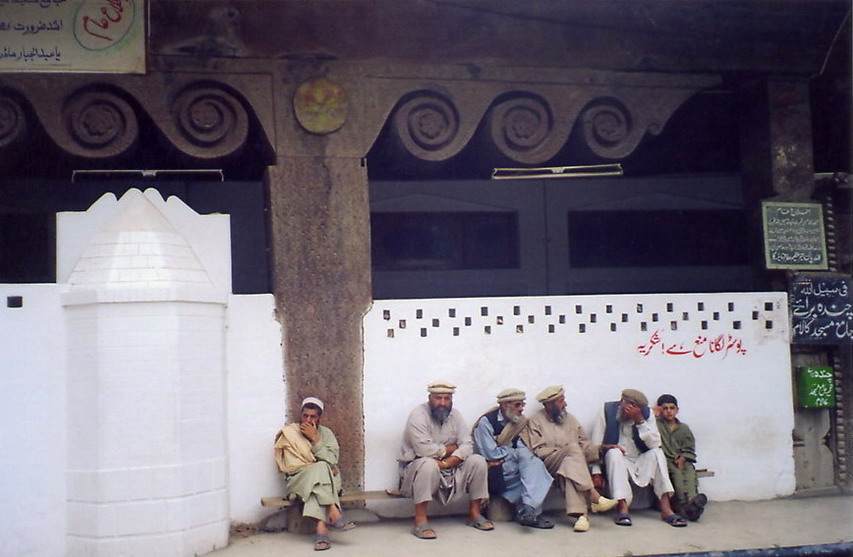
<point x="630" y="440"/>
<point x="437" y="457"/>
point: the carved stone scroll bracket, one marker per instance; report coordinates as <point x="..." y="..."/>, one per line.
<point x="100" y="124"/>
<point x="427" y="124"/>
<point x="614" y="125"/>
<point x="523" y="128"/>
<point x="212" y="122"/>
<point x="13" y="122"/>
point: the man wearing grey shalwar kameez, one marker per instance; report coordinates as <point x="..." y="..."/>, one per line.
<point x="436" y="458"/>
<point x="307" y="453"/>
<point x="515" y="473"/>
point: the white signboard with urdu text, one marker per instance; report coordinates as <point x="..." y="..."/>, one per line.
<point x="72" y="36"/>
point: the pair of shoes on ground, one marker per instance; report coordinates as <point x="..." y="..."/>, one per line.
<point x="695" y="507"/>
<point x="426" y="532"/>
<point x="322" y="541"/>
<point x="526" y="516"/>
<point x="603" y="505"/>
<point x="676" y="520"/>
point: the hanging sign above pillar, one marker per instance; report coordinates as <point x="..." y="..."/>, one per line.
<point x="793" y="236"/>
<point x="72" y="36"/>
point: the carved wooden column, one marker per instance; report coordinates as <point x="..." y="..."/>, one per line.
<point x="776" y="156"/>
<point x="777" y="140"/>
<point x="321" y="278"/>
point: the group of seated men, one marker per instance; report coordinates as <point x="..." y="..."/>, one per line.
<point x="512" y="456"/>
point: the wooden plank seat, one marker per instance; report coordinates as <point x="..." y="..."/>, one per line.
<point x="295" y="521"/>
<point x="351" y="497"/>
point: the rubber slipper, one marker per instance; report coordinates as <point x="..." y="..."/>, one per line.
<point x="543" y="523"/>
<point x="675" y="520"/>
<point x="422" y="531"/>
<point x="343" y="524"/>
<point x="623" y="519"/>
<point x="321" y="542"/>
<point x="481" y="523"/>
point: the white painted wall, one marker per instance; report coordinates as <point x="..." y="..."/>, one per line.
<point x="256" y="403"/>
<point x="32" y="422"/>
<point x="739" y="405"/>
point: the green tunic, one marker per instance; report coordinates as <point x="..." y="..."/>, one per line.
<point x="318" y="484"/>
<point x="677" y="443"/>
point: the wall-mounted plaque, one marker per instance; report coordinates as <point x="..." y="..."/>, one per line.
<point x="793" y="235"/>
<point x="72" y="36"/>
<point x="821" y="309"/>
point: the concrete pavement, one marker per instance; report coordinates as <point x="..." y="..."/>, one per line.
<point x="725" y="526"/>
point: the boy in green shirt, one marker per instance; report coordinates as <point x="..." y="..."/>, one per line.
<point x="679" y="446"/>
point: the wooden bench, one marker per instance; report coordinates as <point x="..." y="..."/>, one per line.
<point x="500" y="511"/>
<point x="295" y="521"/>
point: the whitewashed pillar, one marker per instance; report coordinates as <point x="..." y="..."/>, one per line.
<point x="147" y="455"/>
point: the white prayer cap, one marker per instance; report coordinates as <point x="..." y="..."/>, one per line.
<point x="313" y="400"/>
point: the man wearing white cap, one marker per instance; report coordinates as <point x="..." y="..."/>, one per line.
<point x="515" y="473"/>
<point x="307" y="453"/>
<point x="630" y="441"/>
<point x="560" y="441"/>
<point x="437" y="457"/>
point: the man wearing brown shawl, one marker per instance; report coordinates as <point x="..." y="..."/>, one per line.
<point x="560" y="441"/>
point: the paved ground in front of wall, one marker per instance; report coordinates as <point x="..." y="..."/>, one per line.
<point x="724" y="526"/>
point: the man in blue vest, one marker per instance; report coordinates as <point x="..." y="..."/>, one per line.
<point x="515" y="473"/>
<point x="631" y="444"/>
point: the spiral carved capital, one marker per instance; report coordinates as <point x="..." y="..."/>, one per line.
<point x="211" y="119"/>
<point x="101" y="123"/>
<point x="13" y="123"/>
<point x="609" y="129"/>
<point x="426" y="125"/>
<point x="520" y="127"/>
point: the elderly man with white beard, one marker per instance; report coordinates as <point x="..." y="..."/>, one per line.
<point x="437" y="457"/>
<point x="560" y="441"/>
<point x="631" y="444"/>
<point x="502" y="437"/>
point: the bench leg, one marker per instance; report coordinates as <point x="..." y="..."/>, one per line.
<point x="298" y="524"/>
<point x="499" y="509"/>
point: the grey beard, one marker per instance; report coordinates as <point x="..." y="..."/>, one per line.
<point x="440" y="413"/>
<point x="514" y="417"/>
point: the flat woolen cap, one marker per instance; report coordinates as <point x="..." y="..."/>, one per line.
<point x="313" y="400"/>
<point x="510" y="395"/>
<point x="441" y="387"/>
<point x="550" y="394"/>
<point x="636" y="396"/>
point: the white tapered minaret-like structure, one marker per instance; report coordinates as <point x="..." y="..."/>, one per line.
<point x="147" y="456"/>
